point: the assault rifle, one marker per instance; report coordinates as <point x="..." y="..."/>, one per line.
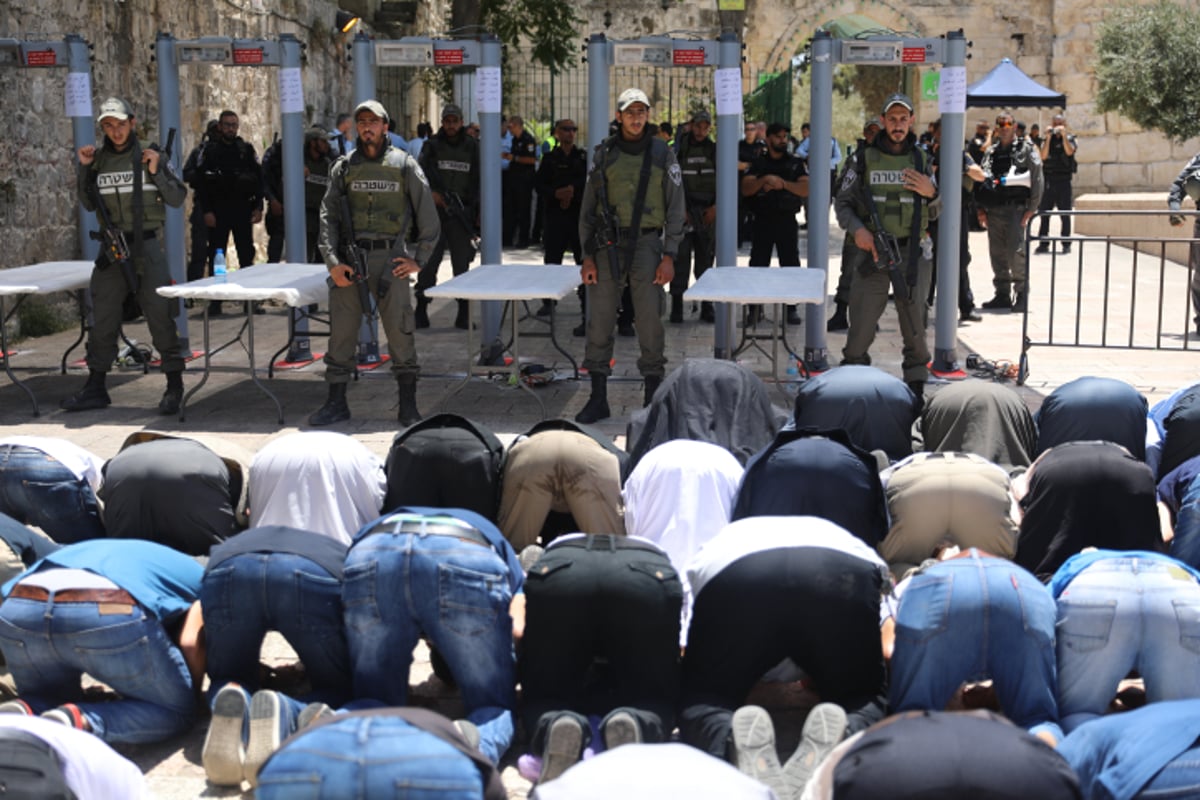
<point x="357" y="260"/>
<point x="607" y="233"/>
<point x="457" y="209"/>
<point x="887" y="256"/>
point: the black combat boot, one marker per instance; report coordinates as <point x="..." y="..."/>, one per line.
<point x="918" y="388"/>
<point x="408" y="413"/>
<point x="652" y="383"/>
<point x="334" y="410"/>
<point x="597" y="405"/>
<point x="173" y="396"/>
<point x="707" y="314"/>
<point x="793" y="316"/>
<point x="92" y="395"/>
<point x="676" y="308"/>
<point x="1019" y="304"/>
<point x="838" y="321"/>
<point x="421" y="314"/>
<point x="463" y="320"/>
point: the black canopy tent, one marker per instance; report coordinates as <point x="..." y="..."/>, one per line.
<point x="1006" y="86"/>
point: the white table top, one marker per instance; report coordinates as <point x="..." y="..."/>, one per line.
<point x="510" y="282"/>
<point x="293" y="284"/>
<point x="47" y="277"/>
<point x="759" y="285"/>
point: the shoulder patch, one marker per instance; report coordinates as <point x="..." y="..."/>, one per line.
<point x="674" y="173"/>
<point x="848" y="178"/>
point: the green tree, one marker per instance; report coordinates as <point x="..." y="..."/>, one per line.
<point x="549" y="27"/>
<point x="1147" y="69"/>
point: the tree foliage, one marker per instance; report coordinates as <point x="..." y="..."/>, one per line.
<point x="1147" y="66"/>
<point x="549" y="27"/>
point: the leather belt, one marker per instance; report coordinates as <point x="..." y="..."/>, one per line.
<point x="374" y="244"/>
<point x="466" y="534"/>
<point x="73" y="595"/>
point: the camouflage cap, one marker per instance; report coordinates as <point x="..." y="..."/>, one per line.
<point x="116" y="108"/>
<point x="374" y="106"/>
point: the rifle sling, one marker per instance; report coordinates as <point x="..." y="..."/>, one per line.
<point x="137" y="245"/>
<point x="639" y="202"/>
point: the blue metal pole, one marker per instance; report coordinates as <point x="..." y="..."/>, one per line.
<point x="819" y="161"/>
<point x="168" y="118"/>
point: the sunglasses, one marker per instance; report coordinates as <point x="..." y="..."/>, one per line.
<point x="568" y="128"/>
<point x="1004" y="124"/>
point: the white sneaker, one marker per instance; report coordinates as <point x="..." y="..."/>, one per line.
<point x="224" y="752"/>
<point x="824" y="728"/>
<point x="754" y="748"/>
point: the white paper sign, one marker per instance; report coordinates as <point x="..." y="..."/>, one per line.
<point x="952" y="91"/>
<point x="79" y="94"/>
<point x="487" y="90"/>
<point x="727" y="87"/>
<point x="291" y="90"/>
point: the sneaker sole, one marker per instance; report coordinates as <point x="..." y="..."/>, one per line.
<point x="754" y="747"/>
<point x="824" y="729"/>
<point x="564" y="744"/>
<point x="313" y="712"/>
<point x="265" y="736"/>
<point x="621" y="729"/>
<point x="223" y="752"/>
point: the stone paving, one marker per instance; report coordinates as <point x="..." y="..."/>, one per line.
<point x="231" y="406"/>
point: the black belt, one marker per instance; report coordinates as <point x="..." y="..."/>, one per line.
<point x="146" y="235"/>
<point x="608" y="541"/>
<point x="374" y="244"/>
<point x="467" y="534"/>
<point x="626" y="232"/>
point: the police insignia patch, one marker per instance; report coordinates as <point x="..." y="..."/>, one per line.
<point x="675" y="175"/>
<point x="848" y="178"/>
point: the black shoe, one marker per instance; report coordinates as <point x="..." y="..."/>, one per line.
<point x="652" y="383"/>
<point x="463" y="319"/>
<point x="1042" y="249"/>
<point x="707" y="314"/>
<point x="838" y="321"/>
<point x="1019" y="305"/>
<point x="579" y="330"/>
<point x="676" y="309"/>
<point x="214" y="308"/>
<point x="998" y="303"/>
<point x="334" y="410"/>
<point x="421" y="314"/>
<point x="793" y="316"/>
<point x="970" y="316"/>
<point x="407" y="414"/>
<point x="547" y="307"/>
<point x="173" y="397"/>
<point x="597" y="405"/>
<point x="1066" y="247"/>
<point x="626" y="329"/>
<point x="93" y="395"/>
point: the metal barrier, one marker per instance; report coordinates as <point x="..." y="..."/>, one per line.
<point x="1126" y="277"/>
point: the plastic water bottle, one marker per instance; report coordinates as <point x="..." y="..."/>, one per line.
<point x="219" y="272"/>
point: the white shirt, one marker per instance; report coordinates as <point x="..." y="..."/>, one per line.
<point x="92" y="769"/>
<point x="83" y="464"/>
<point x="316" y="481"/>
<point x="679" y="496"/>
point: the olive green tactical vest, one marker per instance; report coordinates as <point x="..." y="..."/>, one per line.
<point x="697" y="162"/>
<point x="376" y="192"/>
<point x="315" y="183"/>
<point x="885" y="180"/>
<point x="622" y="176"/>
<point x="114" y="179"/>
<point x="454" y="165"/>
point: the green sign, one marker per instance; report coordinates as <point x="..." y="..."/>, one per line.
<point x="929" y="85"/>
<point x="731" y="5"/>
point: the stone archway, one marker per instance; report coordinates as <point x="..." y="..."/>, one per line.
<point x="781" y="32"/>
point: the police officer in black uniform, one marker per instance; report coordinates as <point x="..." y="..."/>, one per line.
<point x="778" y="184"/>
<point x="560" y="182"/>
<point x="451" y="163"/>
<point x="193" y="174"/>
<point x="521" y="171"/>
<point x="1057" y="149"/>
<point x="697" y="155"/>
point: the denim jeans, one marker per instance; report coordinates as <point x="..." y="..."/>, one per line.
<point x="1178" y="779"/>
<point x="974" y="617"/>
<point x="367" y="758"/>
<point x="36" y="489"/>
<point x="1186" y="544"/>
<point x="48" y="646"/>
<point x="399" y="587"/>
<point x="250" y="594"/>
<point x="1122" y="614"/>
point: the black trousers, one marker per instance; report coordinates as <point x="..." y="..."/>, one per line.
<point x="455" y="236"/>
<point x="518" y="208"/>
<point x="198" y="258"/>
<point x="1057" y="195"/>
<point x="966" y="298"/>
<point x="778" y="232"/>
<point x="702" y="246"/>
<point x="817" y="606"/>
<point x="562" y="234"/>
<point x="238" y="223"/>
<point x="601" y="632"/>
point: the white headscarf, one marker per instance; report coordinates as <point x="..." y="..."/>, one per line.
<point x="317" y="481"/>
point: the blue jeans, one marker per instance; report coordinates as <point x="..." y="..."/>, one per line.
<point x="367" y="758"/>
<point x="974" y="617"/>
<point x="48" y="646"/>
<point x="250" y="594"/>
<point x="1186" y="544"/>
<point x="36" y="489"/>
<point x="1122" y="614"/>
<point x="399" y="587"/>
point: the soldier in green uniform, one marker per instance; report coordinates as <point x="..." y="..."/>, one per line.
<point x="894" y="173"/>
<point x="136" y="185"/>
<point x="698" y="165"/>
<point x="635" y="186"/>
<point x="387" y="193"/>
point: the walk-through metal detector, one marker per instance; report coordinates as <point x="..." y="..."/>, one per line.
<point x="482" y="54"/>
<point x="950" y="51"/>
<point x="73" y="53"/>
<point x="170" y="54"/>
<point x="725" y="53"/>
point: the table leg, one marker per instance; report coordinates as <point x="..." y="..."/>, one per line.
<point x="557" y="346"/>
<point x="250" y="356"/>
<point x="470" y="356"/>
<point x="7" y="365"/>
<point x="204" y="377"/>
<point x="81" y="300"/>
<point x="516" y="365"/>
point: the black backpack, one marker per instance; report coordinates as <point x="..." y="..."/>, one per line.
<point x="445" y="461"/>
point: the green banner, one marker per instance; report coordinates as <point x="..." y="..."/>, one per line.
<point x="731" y="5"/>
<point x="929" y="85"/>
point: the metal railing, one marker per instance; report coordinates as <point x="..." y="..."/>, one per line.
<point x="1114" y="291"/>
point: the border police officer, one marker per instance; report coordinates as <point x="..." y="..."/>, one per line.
<point x="386" y="192"/>
<point x="635" y="191"/>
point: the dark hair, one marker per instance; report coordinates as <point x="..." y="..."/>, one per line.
<point x="227" y="113"/>
<point x="666" y="128"/>
<point x="424" y="129"/>
<point x="776" y="127"/>
<point x="342" y="118"/>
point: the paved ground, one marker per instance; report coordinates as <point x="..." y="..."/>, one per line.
<point x="231" y="406"/>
